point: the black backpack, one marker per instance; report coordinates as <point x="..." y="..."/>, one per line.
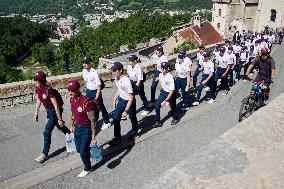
<point x="57" y="95"/>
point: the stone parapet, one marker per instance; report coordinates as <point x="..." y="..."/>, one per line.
<point x="23" y="92"/>
<point x="250" y="155"/>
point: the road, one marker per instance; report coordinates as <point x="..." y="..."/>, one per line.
<point x="159" y="149"/>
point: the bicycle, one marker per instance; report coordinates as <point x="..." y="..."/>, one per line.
<point x="253" y="101"/>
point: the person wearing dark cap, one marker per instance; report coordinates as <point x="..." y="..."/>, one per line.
<point x="231" y="61"/>
<point x="137" y="79"/>
<point x="207" y="80"/>
<point x="216" y="52"/>
<point x="186" y="59"/>
<point x="167" y="95"/>
<point x="124" y="103"/>
<point x="237" y="50"/>
<point x="199" y="68"/>
<point x="223" y="68"/>
<point x="48" y="97"/>
<point x="159" y="57"/>
<point x="94" y="92"/>
<point x="183" y="79"/>
<point x="243" y="63"/>
<point x="82" y="123"/>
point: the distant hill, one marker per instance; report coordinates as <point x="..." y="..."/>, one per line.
<point x="71" y="6"/>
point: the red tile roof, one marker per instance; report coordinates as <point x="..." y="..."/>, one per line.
<point x="206" y="34"/>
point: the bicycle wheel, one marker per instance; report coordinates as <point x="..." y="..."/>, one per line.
<point x="247" y="107"/>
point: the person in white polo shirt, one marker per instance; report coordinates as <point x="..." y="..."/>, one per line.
<point x="207" y="79"/>
<point x="137" y="78"/>
<point x="159" y="57"/>
<point x="183" y="79"/>
<point x="167" y="95"/>
<point x="199" y="68"/>
<point x="94" y="92"/>
<point x="124" y="103"/>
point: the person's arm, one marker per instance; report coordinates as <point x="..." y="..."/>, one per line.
<point x="38" y="104"/>
<point x="129" y="103"/>
<point x="114" y="99"/>
<point x="273" y="73"/>
<point x="168" y="98"/>
<point x="208" y="78"/>
<point x="188" y="81"/>
<point x="227" y="70"/>
<point x="72" y="122"/>
<point x="98" y="92"/>
<point x="58" y="113"/>
<point x="92" y="117"/>
<point x="138" y="82"/>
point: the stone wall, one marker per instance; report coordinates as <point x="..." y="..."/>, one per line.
<point x="23" y="92"/>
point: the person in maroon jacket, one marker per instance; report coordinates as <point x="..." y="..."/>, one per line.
<point x="47" y="97"/>
<point x="82" y="123"/>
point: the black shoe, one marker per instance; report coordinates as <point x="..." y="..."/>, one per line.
<point x="174" y="122"/>
<point x="158" y="124"/>
<point x="132" y="137"/>
<point x="114" y="142"/>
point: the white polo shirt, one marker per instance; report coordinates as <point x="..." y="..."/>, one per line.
<point x="158" y="61"/>
<point x="124" y="87"/>
<point x="182" y="69"/>
<point x="186" y="60"/>
<point x="244" y="56"/>
<point x="222" y="61"/>
<point x="135" y="73"/>
<point x="237" y="49"/>
<point x="200" y="57"/>
<point x="167" y="82"/>
<point x="91" y="78"/>
<point x="208" y="67"/>
<point x="231" y="58"/>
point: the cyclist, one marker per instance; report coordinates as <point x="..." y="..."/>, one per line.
<point x="267" y="70"/>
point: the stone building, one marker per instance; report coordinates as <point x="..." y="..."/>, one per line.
<point x="237" y="15"/>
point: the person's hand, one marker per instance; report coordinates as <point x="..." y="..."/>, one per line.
<point x="94" y="141"/>
<point x="71" y="129"/>
<point x="224" y="74"/>
<point x="249" y="77"/>
<point x="157" y="79"/>
<point x="124" y="114"/>
<point x="164" y="103"/>
<point x="186" y="89"/>
<point x="204" y="83"/>
<point x="61" y="123"/>
<point x="36" y="117"/>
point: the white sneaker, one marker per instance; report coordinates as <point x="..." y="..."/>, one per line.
<point x="105" y="126"/>
<point x="41" y="158"/>
<point x="225" y="92"/>
<point x="211" y="101"/>
<point x="144" y="112"/>
<point x="195" y="103"/>
<point x="83" y="174"/>
<point x="207" y="89"/>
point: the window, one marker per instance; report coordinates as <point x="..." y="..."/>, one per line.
<point x="273" y="15"/>
<point x="220" y="12"/>
<point x="218" y="25"/>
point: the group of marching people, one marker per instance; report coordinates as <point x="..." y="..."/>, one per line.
<point x="221" y="64"/>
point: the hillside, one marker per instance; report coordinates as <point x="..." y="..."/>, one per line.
<point x="88" y="6"/>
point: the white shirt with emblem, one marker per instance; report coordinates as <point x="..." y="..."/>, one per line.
<point x="124" y="87"/>
<point x="182" y="69"/>
<point x="200" y="57"/>
<point x="167" y="82"/>
<point x="231" y="58"/>
<point x="186" y="60"/>
<point x="158" y="61"/>
<point x="208" y="67"/>
<point x="91" y="78"/>
<point x="222" y="61"/>
<point x="135" y="73"/>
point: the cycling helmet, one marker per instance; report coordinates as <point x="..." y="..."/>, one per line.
<point x="265" y="51"/>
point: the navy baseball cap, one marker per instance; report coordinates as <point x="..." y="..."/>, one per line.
<point x="201" y="47"/>
<point x="161" y="49"/>
<point x="116" y="66"/>
<point x="87" y="59"/>
<point x="207" y="54"/>
<point x="182" y="51"/>
<point x="222" y="49"/>
<point x="165" y="65"/>
<point x="132" y="58"/>
<point x="181" y="55"/>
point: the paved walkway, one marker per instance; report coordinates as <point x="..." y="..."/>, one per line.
<point x="161" y="149"/>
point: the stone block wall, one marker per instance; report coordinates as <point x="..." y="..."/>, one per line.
<point x="23" y="92"/>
